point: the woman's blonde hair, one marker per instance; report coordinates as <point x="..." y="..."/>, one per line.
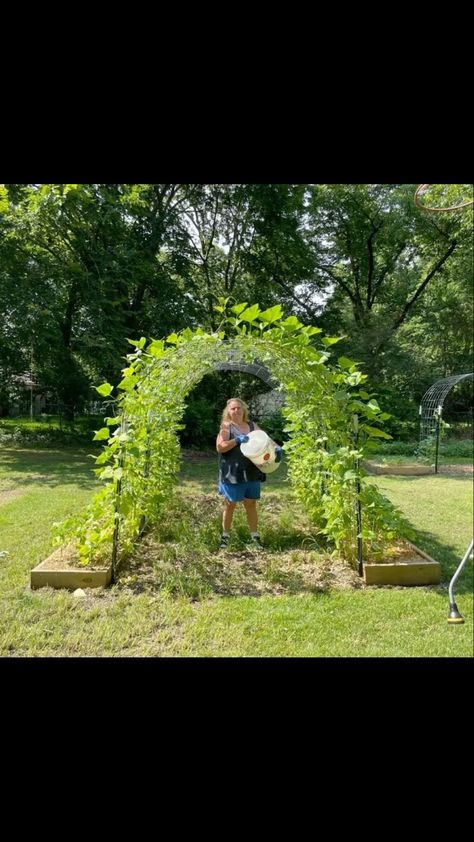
<point x="245" y="410"/>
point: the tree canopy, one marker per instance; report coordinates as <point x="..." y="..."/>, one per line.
<point x="83" y="267"/>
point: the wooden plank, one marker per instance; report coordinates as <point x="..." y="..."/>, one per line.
<point x="403" y="573"/>
<point x="71" y="578"/>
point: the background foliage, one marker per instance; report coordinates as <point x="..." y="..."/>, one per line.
<point x="83" y="267"/>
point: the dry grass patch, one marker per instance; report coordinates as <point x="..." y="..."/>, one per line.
<point x="242" y="571"/>
<point x="67" y="557"/>
<point x="10" y="495"/>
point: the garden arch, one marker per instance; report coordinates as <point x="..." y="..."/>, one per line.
<point x="431" y="406"/>
<point x="255" y="368"/>
<point x="141" y="457"/>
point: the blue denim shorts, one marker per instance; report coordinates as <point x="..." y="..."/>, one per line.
<point x="240" y="491"/>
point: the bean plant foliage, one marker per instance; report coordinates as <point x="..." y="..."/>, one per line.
<point x="141" y="457"/>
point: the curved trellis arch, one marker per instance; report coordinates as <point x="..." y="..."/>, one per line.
<point x="431" y="406"/>
<point x="141" y="458"/>
<point x="255" y="368"/>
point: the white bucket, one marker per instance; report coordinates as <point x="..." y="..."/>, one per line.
<point x="261" y="451"/>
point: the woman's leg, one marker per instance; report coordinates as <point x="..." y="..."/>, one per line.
<point x="251" y="512"/>
<point x="227" y="515"/>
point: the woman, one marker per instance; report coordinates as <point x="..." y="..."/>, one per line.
<point x="239" y="478"/>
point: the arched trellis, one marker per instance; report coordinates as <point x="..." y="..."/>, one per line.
<point x="255" y="368"/>
<point x="221" y="355"/>
<point x="142" y="455"/>
<point x="431" y="406"/>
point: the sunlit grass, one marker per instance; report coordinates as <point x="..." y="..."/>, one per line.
<point x="180" y="597"/>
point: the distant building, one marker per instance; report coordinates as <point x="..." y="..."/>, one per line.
<point x="28" y="395"/>
<point x="262" y="406"/>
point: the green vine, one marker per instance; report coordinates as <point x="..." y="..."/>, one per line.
<point x="142" y="453"/>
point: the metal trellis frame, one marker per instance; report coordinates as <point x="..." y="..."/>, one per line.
<point x="431" y="408"/>
<point x="256" y="368"/>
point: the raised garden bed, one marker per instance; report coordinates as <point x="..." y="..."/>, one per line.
<point x="408" y="565"/>
<point x="61" y="570"/>
<point x="403" y="470"/>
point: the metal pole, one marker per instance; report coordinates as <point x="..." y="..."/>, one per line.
<point x="358" y="510"/>
<point x="146" y="474"/>
<point x="438" y="424"/>
<point x="118" y="492"/>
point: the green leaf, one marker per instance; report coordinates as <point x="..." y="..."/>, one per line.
<point x="107" y="473"/>
<point x="340" y="395"/>
<point x="272" y="314"/>
<point x="345" y="362"/>
<point x="292" y="323"/>
<point x="137" y="343"/>
<point x="101" y="434"/>
<point x="238" y="308"/>
<point x="104" y="390"/>
<point x="331" y="340"/>
<point x="373" y="431"/>
<point x="128" y="383"/>
<point x="250" y="314"/>
<point x="3" y="199"/>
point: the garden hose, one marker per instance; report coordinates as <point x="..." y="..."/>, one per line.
<point x="455" y="617"/>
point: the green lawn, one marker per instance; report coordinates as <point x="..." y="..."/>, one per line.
<point x="440" y="509"/>
<point x="186" y="601"/>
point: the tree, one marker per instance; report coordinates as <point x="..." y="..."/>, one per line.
<point x="377" y="254"/>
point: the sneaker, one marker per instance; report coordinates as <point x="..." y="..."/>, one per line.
<point x="224" y="542"/>
<point x="256" y="542"/>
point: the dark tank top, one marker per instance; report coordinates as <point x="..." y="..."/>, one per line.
<point x="234" y="467"/>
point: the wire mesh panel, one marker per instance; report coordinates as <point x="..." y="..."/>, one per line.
<point x="432" y="401"/>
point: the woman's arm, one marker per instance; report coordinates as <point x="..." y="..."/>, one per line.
<point x="223" y="440"/>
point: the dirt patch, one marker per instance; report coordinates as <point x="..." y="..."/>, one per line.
<point x="8" y="496"/>
<point x="235" y="572"/>
<point x="455" y="469"/>
<point x="67" y="557"/>
<point x="400" y="551"/>
<point x="204" y="508"/>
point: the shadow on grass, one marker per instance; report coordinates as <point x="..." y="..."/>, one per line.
<point x="448" y="555"/>
<point x="449" y="558"/>
<point x="28" y="466"/>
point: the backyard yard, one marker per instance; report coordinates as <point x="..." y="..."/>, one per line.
<point x="178" y="596"/>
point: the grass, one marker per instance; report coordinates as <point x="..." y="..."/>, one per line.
<point x="178" y="597"/>
<point x="395" y="459"/>
<point x="440" y="509"/>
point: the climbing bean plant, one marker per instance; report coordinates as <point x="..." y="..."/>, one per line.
<point x="141" y="454"/>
